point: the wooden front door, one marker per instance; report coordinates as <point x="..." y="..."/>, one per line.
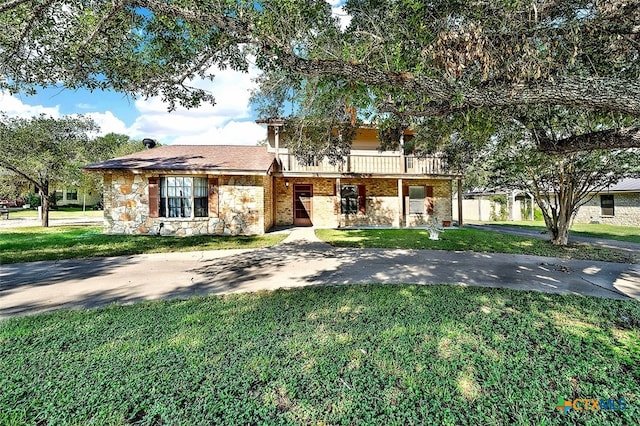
<point x="302" y="202"/>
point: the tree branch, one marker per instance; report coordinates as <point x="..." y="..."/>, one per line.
<point x="611" y="94"/>
<point x="626" y="137"/>
<point x="18" y="172"/>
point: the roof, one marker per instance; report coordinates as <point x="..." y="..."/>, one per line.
<point x="626" y="185"/>
<point x="192" y="157"/>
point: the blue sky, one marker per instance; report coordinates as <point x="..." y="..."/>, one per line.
<point x="230" y="122"/>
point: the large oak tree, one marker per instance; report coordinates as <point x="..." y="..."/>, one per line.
<point x="407" y="58"/>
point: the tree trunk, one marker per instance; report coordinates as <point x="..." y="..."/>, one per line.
<point x="44" y="195"/>
<point x="562" y="219"/>
<point x="560" y="235"/>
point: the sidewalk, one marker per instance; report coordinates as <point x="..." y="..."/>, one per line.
<point x="23" y="223"/>
<point x="301" y="260"/>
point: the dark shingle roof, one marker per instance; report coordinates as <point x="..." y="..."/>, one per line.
<point x="192" y="157"/>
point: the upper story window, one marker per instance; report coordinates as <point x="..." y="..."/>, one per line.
<point x="607" y="207"/>
<point x="183" y="196"/>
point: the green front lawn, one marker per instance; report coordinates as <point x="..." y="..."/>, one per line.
<point x="66" y="242"/>
<point x="468" y="239"/>
<point x="61" y="213"/>
<point x="374" y="354"/>
<point x="595" y="230"/>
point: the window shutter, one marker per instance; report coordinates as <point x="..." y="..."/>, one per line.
<point x="428" y="201"/>
<point x="405" y="199"/>
<point x="154" y="198"/>
<point x="213" y="197"/>
<point x="362" y="199"/>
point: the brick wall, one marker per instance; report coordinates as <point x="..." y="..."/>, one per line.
<point x="381" y="197"/>
<point x="267" y="184"/>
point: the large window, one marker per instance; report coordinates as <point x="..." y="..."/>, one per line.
<point x="607" y="207"/>
<point x="349" y="199"/>
<point x="182" y="196"/>
<point x="416" y="199"/>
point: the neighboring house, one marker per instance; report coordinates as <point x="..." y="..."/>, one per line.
<point x="496" y="206"/>
<point x="77" y="197"/>
<point x="212" y="189"/>
<point x="619" y="204"/>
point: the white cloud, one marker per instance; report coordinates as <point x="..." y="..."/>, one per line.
<point x="108" y="123"/>
<point x="207" y="124"/>
<point x="228" y="122"/>
<point x="14" y="107"/>
<point x="337" y="11"/>
<point x="232" y="133"/>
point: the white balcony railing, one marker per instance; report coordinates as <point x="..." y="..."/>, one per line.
<point x="377" y="163"/>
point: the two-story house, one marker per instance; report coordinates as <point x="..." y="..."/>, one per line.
<point x="213" y="189"/>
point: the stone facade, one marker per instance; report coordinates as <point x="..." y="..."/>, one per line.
<point x="626" y="210"/>
<point x="383" y="206"/>
<point x="246" y="205"/>
<point x="241" y="208"/>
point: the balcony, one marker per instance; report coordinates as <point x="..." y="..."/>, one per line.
<point x="368" y="162"/>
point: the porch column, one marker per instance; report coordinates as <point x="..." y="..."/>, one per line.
<point x="398" y="220"/>
<point x="460" y="223"/>
<point x="276" y="140"/>
<point x="512" y="201"/>
<point x="533" y="206"/>
<point x="338" y="200"/>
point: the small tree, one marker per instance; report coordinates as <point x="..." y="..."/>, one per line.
<point x="45" y="151"/>
<point x="560" y="184"/>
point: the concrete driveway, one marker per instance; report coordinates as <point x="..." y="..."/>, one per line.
<point x="301" y="260"/>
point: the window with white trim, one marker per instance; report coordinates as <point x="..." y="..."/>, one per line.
<point x="183" y="196"/>
<point x="416" y="199"/>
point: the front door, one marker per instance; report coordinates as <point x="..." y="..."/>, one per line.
<point x="302" y="201"/>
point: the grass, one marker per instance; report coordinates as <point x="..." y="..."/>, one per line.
<point x="67" y="242"/>
<point x="374" y="354"/>
<point x="61" y="213"/>
<point x="595" y="230"/>
<point x="468" y="239"/>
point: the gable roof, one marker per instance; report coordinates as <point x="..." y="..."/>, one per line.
<point x="628" y="184"/>
<point x="192" y="158"/>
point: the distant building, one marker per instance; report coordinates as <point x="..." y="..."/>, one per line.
<point x="619" y="204"/>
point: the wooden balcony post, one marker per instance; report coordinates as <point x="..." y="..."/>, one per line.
<point x="276" y="138"/>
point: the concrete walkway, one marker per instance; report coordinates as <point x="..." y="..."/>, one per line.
<point x="301" y="260"/>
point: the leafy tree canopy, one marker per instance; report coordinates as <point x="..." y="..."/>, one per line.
<point x="407" y="59"/>
<point x="560" y="184"/>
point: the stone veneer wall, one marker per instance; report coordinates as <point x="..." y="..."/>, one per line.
<point x="626" y="210"/>
<point x="442" y="193"/>
<point x="240" y="205"/>
<point x="382" y="202"/>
